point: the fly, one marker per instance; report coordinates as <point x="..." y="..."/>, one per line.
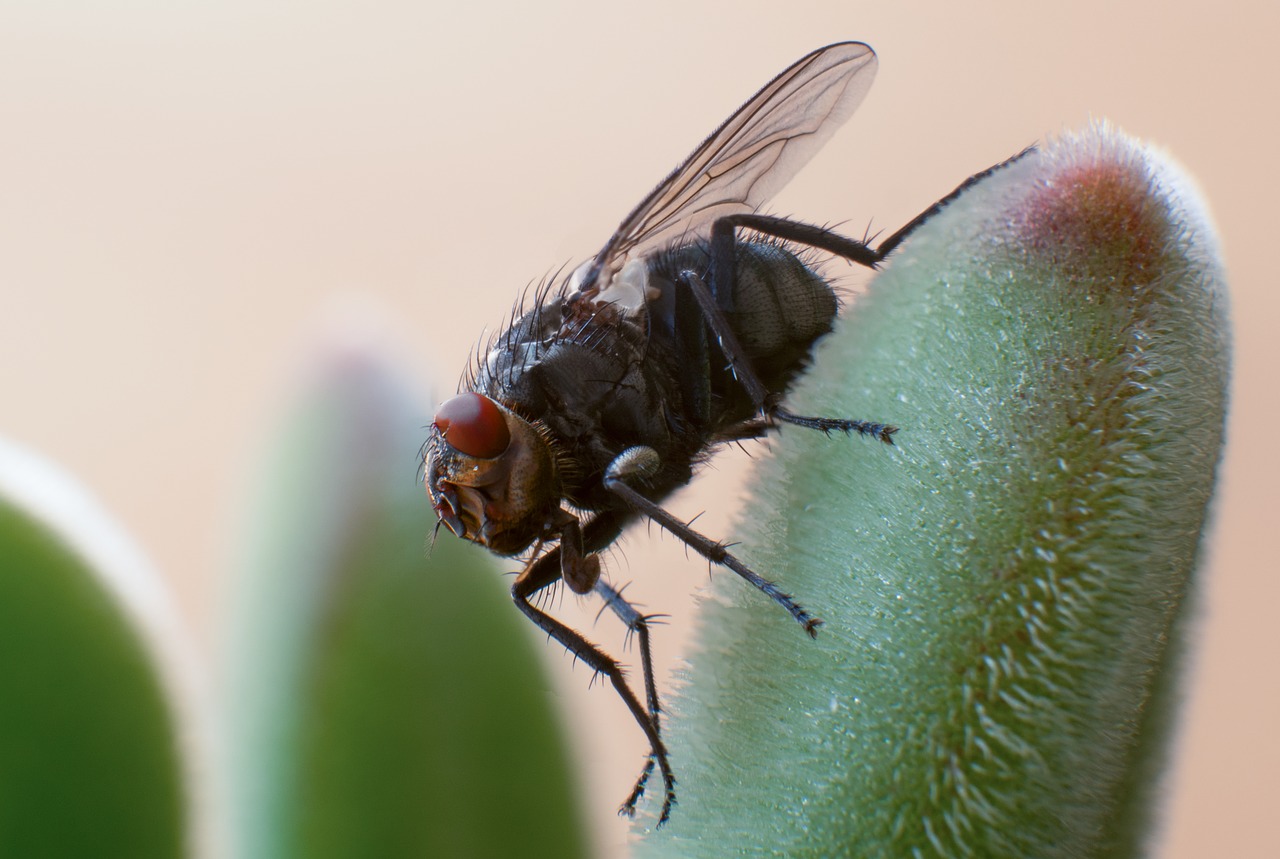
<point x="680" y="335"/>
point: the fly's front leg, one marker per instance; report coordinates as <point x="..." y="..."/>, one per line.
<point x="544" y="571"/>
<point x="638" y="624"/>
<point x="746" y="374"/>
<point x="579" y="568"/>
<point x="637" y="463"/>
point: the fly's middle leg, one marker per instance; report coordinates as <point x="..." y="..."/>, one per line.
<point x="634" y="464"/>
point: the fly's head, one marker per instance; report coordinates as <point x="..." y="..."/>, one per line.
<point x="491" y="474"/>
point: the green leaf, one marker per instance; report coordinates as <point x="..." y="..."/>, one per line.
<point x="388" y="698"/>
<point x="1005" y="588"/>
<point x="93" y="760"/>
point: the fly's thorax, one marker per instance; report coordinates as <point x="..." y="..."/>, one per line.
<point x="491" y="474"/>
<point x="629" y="291"/>
<point x="520" y="346"/>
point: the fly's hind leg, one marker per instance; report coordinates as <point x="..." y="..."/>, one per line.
<point x="543" y="572"/>
<point x="724" y="270"/>
<point x="746" y="374"/>
<point x="887" y="246"/>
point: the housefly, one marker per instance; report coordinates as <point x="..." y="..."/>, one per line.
<point x="680" y="335"/>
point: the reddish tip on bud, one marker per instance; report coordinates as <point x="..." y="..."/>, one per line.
<point x="1098" y="199"/>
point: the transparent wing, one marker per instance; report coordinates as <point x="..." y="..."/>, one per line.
<point x="747" y="159"/>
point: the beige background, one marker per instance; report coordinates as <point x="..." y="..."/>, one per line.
<point x="183" y="192"/>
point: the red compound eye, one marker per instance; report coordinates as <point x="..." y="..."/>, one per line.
<point x="473" y="425"/>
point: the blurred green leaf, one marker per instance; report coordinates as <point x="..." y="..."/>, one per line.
<point x="390" y="700"/>
<point x="89" y="747"/>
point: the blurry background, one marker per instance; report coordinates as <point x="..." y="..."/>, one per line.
<point x="188" y="191"/>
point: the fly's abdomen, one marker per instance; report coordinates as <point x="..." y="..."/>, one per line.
<point x="779" y="307"/>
